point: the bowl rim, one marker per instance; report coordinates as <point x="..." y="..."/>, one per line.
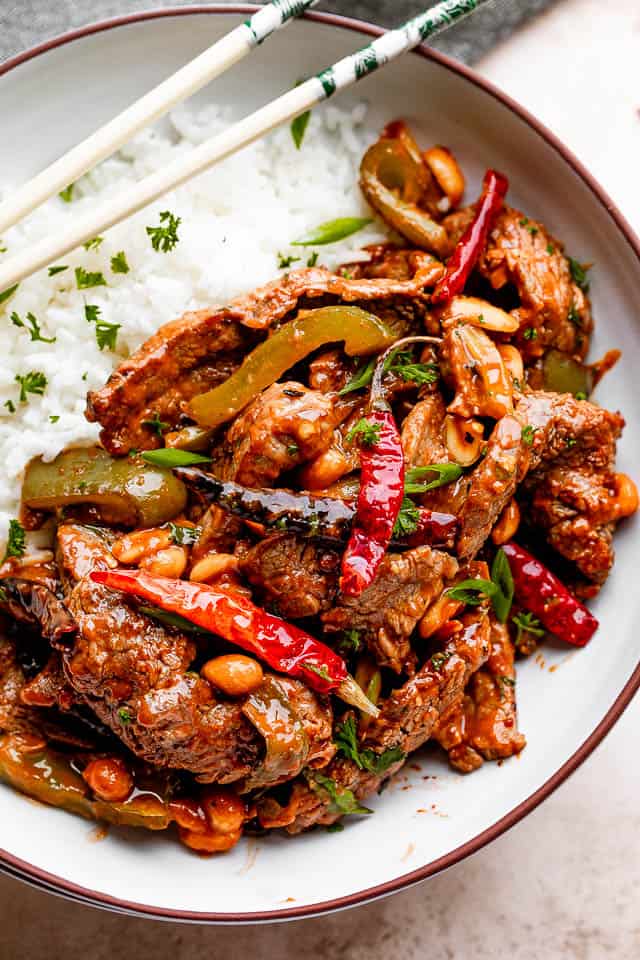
<point x="42" y="879"/>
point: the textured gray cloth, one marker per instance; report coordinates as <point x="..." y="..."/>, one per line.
<point x="26" y="22"/>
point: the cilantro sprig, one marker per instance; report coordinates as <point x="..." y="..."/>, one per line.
<point x="16" y="545"/>
<point x="346" y="740"/>
<point x="165" y="236"/>
<point x="341" y="801"/>
<point x="366" y="433"/>
<point x="32" y="327"/>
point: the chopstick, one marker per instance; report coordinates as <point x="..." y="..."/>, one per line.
<point x="291" y="104"/>
<point x="224" y="53"/>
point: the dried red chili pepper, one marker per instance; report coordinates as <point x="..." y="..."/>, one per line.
<point x="541" y="592"/>
<point x="472" y="242"/>
<point x="230" y="615"/>
<point x="381" y="485"/>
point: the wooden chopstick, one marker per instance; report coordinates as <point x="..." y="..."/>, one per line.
<point x="291" y="104"/>
<point x="192" y="77"/>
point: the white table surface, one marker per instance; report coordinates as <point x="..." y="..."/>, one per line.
<point x="565" y="883"/>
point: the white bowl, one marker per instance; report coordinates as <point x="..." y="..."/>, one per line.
<point x="54" y="95"/>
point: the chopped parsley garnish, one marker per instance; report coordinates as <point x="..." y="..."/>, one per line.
<point x="574" y="317"/>
<point x="499" y="589"/>
<point x="184" y="536"/>
<point x="445" y="473"/>
<point x="400" y="363"/>
<point x="407" y="520"/>
<point x="550" y="249"/>
<point x="124" y="716"/>
<point x="15" y="540"/>
<point x="85" y="279"/>
<point x="366" y="433"/>
<point x="332" y="230"/>
<point x="526" y="623"/>
<point x="32" y="327"/>
<point x="293" y="450"/>
<point x="165" y="236"/>
<point x="528" y="434"/>
<point x="119" y="263"/>
<point x="284" y="262"/>
<point x="10" y="405"/>
<point x="67" y="193"/>
<point x="579" y="274"/>
<point x="32" y="382"/>
<point x="156" y="424"/>
<point x="299" y="127"/>
<point x="4" y="296"/>
<point x="93" y="244"/>
<point x="438" y="660"/>
<point x="420" y="373"/>
<point x="532" y="229"/>
<point x="91" y="312"/>
<point x="54" y="418"/>
<point x="321" y="671"/>
<point x="340" y="801"/>
<point x="346" y="740"/>
<point x="60" y="269"/>
<point x="530" y="333"/>
<point x="85" y="375"/>
<point x="350" y="642"/>
<point x="106" y="334"/>
<point x="313" y="259"/>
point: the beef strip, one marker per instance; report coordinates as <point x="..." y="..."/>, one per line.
<point x="134" y="674"/>
<point x="201" y="349"/>
<point x="388" y="610"/>
<point x="522" y="253"/>
<point x="286" y="425"/>
<point x="294" y="577"/>
<point x="407" y="719"/>
<point x="483" y="724"/>
<point x="423" y="442"/>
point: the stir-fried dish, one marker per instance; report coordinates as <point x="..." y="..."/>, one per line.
<point x="323" y="522"/>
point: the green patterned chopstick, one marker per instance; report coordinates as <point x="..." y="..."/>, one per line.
<point x="192" y="77"/>
<point x="291" y="104"/>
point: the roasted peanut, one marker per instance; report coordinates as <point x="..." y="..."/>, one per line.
<point x="507" y="524"/>
<point x="225" y="811"/>
<point x="109" y="779"/>
<point x="625" y="502"/>
<point x="213" y="565"/>
<point x="169" y="562"/>
<point x="445" y="168"/>
<point x="464" y="439"/>
<point x="234" y="674"/>
<point x="134" y="546"/>
<point x="479" y="313"/>
<point x="438" y="614"/>
<point x="512" y="359"/>
<point x="208" y="842"/>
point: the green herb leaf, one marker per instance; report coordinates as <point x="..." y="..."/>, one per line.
<point x="156" y="424"/>
<point x="54" y="418"/>
<point x="499" y="590"/>
<point x="530" y="333"/>
<point x="550" y="249"/>
<point x="420" y="373"/>
<point x="407" y="520"/>
<point x="361" y="378"/>
<point x="184" y="536"/>
<point x="299" y="126"/>
<point x="341" y="801"/>
<point x="284" y="262"/>
<point x="67" y="193"/>
<point x="15" y="540"/>
<point x="526" y="623"/>
<point x="335" y="827"/>
<point x="332" y="230"/>
<point x="91" y="312"/>
<point x="125" y="716"/>
<point x="313" y="259"/>
<point x="32" y="382"/>
<point x="350" y="642"/>
<point x="438" y="660"/>
<point x="32" y="326"/>
<point x="119" y="263"/>
<point x="10" y="405"/>
<point x="528" y="434"/>
<point x="54" y="270"/>
<point x="445" y="473"/>
<point x="170" y="457"/>
<point x="85" y="279"/>
<point x="346" y="740"/>
<point x="581" y="395"/>
<point x="574" y="317"/>
<point x="365" y="432"/>
<point x="579" y="274"/>
<point x="106" y="334"/>
<point x="93" y="244"/>
<point x="165" y="236"/>
<point x="8" y="293"/>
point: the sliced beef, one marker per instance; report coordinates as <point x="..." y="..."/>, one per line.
<point x="287" y="425"/>
<point x="423" y="442"/>
<point x="134" y="675"/>
<point x="201" y="349"/>
<point x="34" y="604"/>
<point x="407" y="719"/>
<point x="483" y="724"/>
<point x="294" y="577"/>
<point x="388" y="610"/>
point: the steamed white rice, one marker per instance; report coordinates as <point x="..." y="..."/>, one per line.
<point x="236" y="219"/>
